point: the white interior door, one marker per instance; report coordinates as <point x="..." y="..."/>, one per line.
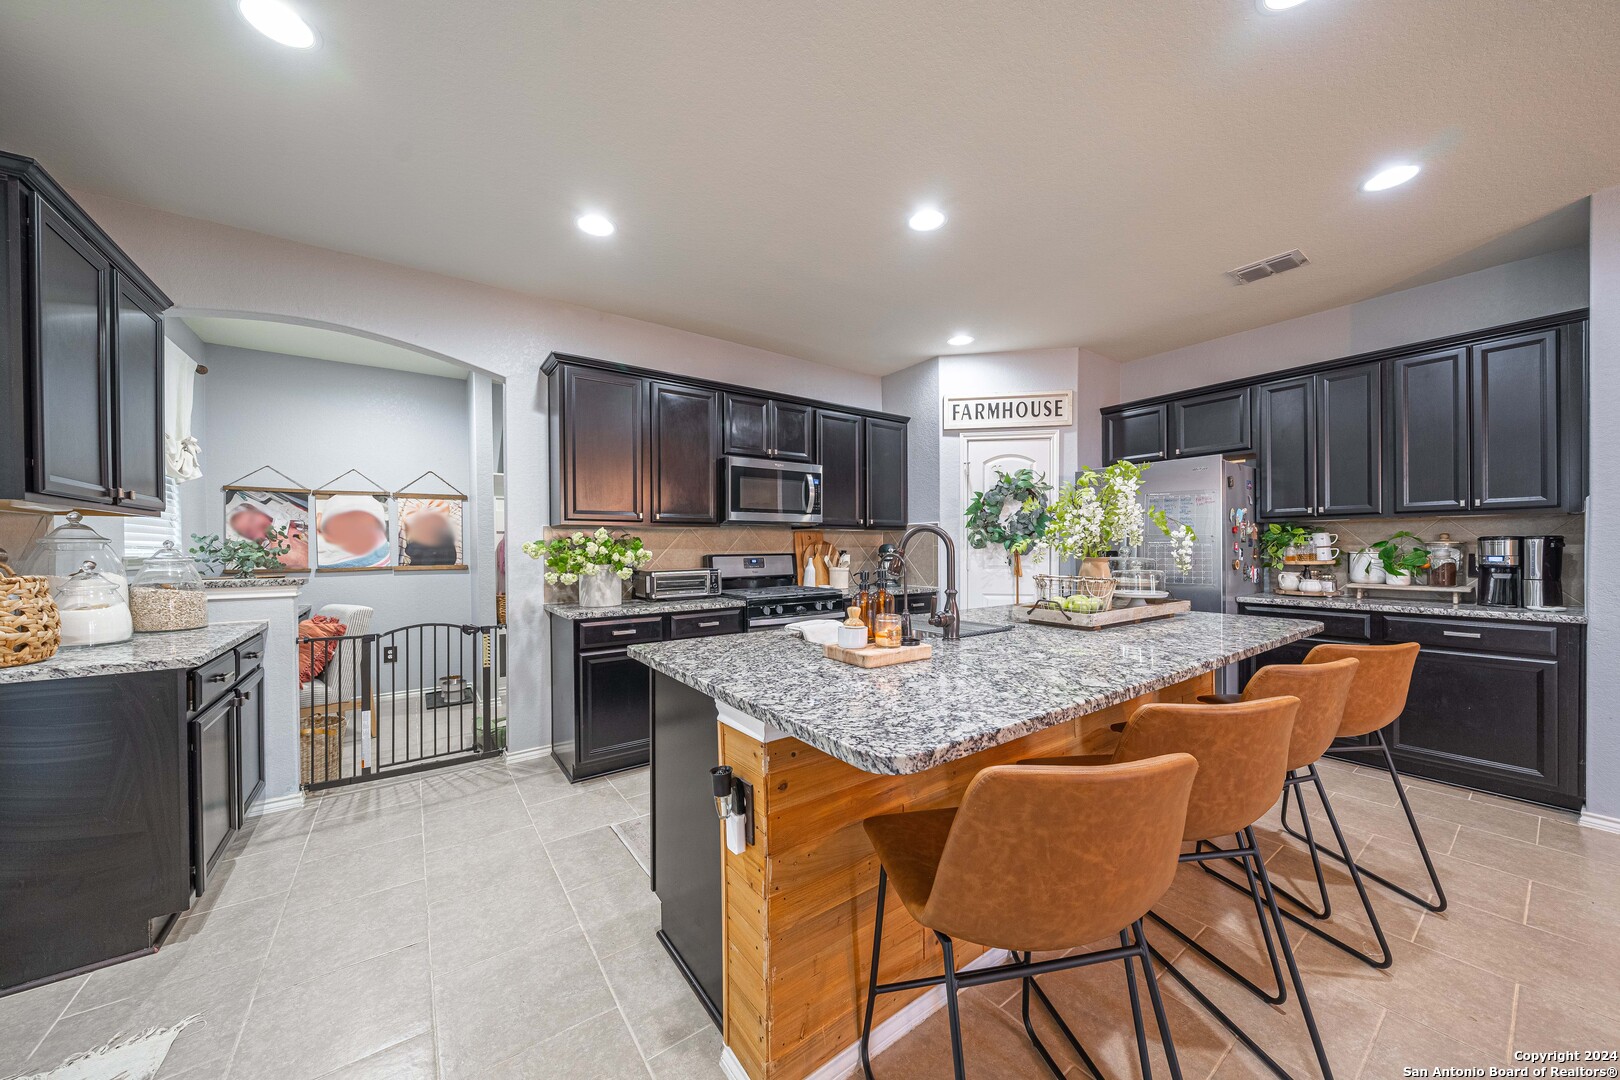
<point x="987" y="573"/>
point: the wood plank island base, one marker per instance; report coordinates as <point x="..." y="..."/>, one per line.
<point x="775" y="930"/>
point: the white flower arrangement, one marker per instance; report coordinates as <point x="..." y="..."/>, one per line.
<point x="1099" y="513"/>
<point x="568" y="558"/>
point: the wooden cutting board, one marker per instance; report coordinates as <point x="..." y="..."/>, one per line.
<point x="805" y="542"/>
<point x="1114" y="617"/>
<point x="875" y="656"/>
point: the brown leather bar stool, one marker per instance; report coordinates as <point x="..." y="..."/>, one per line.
<point x="1242" y="752"/>
<point x="984" y="873"/>
<point x="1377" y="699"/>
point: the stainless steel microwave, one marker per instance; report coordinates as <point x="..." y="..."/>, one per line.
<point x="778" y="492"/>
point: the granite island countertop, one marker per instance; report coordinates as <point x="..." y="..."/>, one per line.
<point x="631" y="608"/>
<point x="971" y="694"/>
<point x="143" y="652"/>
<point x="1396" y="605"/>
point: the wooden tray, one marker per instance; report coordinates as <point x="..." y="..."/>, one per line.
<point x="1309" y="595"/>
<point x="1103" y="619"/>
<point x="875" y="656"/>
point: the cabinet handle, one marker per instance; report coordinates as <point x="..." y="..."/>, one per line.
<point x="221" y="677"/>
<point x="706" y="625"/>
<point x="250" y="656"/>
<point x="1459" y="633"/>
<point x="621" y="633"/>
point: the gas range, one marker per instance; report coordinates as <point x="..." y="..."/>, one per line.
<point x="765" y="585"/>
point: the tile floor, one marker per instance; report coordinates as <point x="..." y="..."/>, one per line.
<point x="486" y="922"/>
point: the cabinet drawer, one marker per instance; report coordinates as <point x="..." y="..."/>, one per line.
<point x="208" y="683"/>
<point x="250" y="657"/>
<point x="1337" y="624"/>
<point x="1475" y="636"/>
<point x="616" y="633"/>
<point x="706" y="623"/>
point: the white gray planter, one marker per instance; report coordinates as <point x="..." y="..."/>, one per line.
<point x="601" y="589"/>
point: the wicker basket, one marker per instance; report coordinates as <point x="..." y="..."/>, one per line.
<point x="1055" y="587"/>
<point x="30" y="626"/>
<point x="321" y="733"/>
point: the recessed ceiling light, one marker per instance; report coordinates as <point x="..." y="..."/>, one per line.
<point x="1394" y="176"/>
<point x="278" y="22"/>
<point x="960" y="338"/>
<point x="927" y="219"/>
<point x="1268" y="6"/>
<point x="595" y="224"/>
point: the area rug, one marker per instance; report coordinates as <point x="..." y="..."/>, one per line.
<point x="636" y="835"/>
<point x="131" y="1057"/>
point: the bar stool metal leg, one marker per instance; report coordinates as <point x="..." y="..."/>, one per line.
<point x="1270" y="997"/>
<point x="872" y="975"/>
<point x="958" y="1065"/>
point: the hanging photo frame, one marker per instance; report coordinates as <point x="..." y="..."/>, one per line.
<point x="352" y="533"/>
<point x="430" y="517"/>
<point x="256" y="511"/>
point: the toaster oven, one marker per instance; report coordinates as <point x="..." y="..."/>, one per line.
<point x="674" y="584"/>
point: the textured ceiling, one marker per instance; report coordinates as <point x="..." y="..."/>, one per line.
<point x="1101" y="163"/>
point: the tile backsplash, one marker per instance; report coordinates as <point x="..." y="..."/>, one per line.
<point x="18" y="531"/>
<point x="676" y="548"/>
<point x="1465" y="532"/>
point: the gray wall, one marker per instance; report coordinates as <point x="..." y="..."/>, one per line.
<point x="1603" y="518"/>
<point x="312" y="420"/>
<point x="914" y="392"/>
<point x="1543" y="285"/>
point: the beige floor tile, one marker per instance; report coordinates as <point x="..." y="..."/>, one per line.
<point x="1575" y="915"/>
<point x="1594" y="844"/>
<point x="597" y="1049"/>
<point x="311" y="943"/>
<point x="993" y="1045"/>
<point x="1527" y="954"/>
<point x="335" y="878"/>
<point x="1537" y="863"/>
<point x="1403" y="1043"/>
<point x="1549" y="1020"/>
<point x="1465" y="882"/>
<point x="1521" y="823"/>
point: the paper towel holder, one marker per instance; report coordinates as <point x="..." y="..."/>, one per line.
<point x="733" y="798"/>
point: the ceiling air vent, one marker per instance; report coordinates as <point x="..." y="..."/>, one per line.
<point x="1265" y="268"/>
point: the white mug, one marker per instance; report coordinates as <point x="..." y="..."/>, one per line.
<point x="1324" y="539"/>
<point x="1327" y="554"/>
<point x="1288" y="581"/>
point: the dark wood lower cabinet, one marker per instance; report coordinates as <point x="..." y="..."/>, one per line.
<point x="1494" y="705"/>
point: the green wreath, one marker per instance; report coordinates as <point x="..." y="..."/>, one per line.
<point x="1013" y="513"/>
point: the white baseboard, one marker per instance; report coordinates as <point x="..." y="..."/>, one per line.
<point x="884" y="1035"/>
<point x="295" y="801"/>
<point x="531" y="754"/>
<point x="1600" y="821"/>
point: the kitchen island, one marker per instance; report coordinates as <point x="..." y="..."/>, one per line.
<point x="774" y="938"/>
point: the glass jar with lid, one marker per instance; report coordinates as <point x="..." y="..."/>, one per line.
<point x="1445" y="562"/>
<point x="167" y="592"/>
<point x="58" y="554"/>
<point x="92" y="609"/>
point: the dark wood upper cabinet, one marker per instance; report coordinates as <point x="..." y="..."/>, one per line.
<point x="1136" y="434"/>
<point x="1515" y="424"/>
<point x="685" y="437"/>
<point x="1429" y="441"/>
<point x="1349" y="442"/>
<point x="138" y="390"/>
<point x="1287" y="448"/>
<point x="843" y="472"/>
<point x="1217" y="423"/>
<point x="765" y="427"/>
<point x="81" y="356"/>
<point x="885" y="452"/>
<point x="598" y="431"/>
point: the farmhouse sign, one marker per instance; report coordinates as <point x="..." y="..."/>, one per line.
<point x="1008" y="411"/>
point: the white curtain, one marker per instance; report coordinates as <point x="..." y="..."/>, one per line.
<point x="182" y="455"/>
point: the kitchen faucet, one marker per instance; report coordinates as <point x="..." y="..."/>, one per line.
<point x="947" y="618"/>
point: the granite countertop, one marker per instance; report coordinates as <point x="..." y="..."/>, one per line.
<point x="971" y="694"/>
<point x="631" y="608"/>
<point x="255" y="582"/>
<point x="143" y="652"/>
<point x="1395" y="605"/>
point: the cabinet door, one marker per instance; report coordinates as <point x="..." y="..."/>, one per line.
<point x="213" y="790"/>
<point x="885" y="450"/>
<point x="1429" y="398"/>
<point x="615" y="712"/>
<point x="1514" y="384"/>
<point x="603" y="449"/>
<point x="1349" y="423"/>
<point x="793" y="431"/>
<point x="1135" y="435"/>
<point x="1287" y="436"/>
<point x="1210" y="423"/>
<point x="1490" y="721"/>
<point x="843" y="487"/>
<point x="685" y="454"/>
<point x="71" y="447"/>
<point x="249" y="744"/>
<point x="748" y="426"/>
<point x="138" y="396"/>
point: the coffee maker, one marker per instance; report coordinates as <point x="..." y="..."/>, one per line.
<point x="1544" y="572"/>
<point x="1500" y="584"/>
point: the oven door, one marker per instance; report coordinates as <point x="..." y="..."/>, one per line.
<point x="782" y="492"/>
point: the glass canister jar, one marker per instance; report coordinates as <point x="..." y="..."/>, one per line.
<point x="92" y="609"/>
<point x="167" y="593"/>
<point x="1445" y="562"/>
<point x="60" y="553"/>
